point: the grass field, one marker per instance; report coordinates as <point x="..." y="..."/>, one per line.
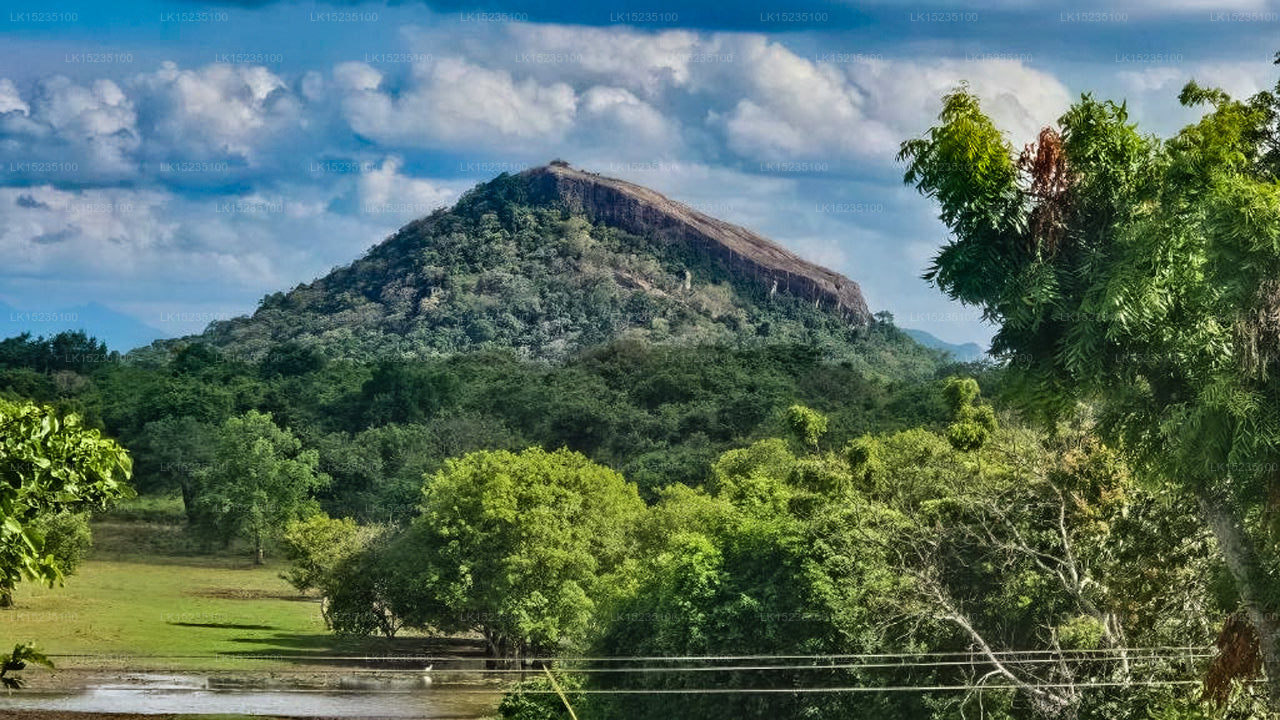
<point x="132" y="607"/>
<point x="199" y="608"/>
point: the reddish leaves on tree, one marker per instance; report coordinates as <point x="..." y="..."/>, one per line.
<point x="1044" y="162"/>
<point x="1239" y="658"/>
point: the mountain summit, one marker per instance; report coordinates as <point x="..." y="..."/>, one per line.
<point x="641" y="211"/>
<point x="552" y="261"/>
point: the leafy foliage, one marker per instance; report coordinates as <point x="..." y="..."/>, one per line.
<point x="1141" y="274"/>
<point x="520" y="547"/>
<point x="260" y="479"/>
<point x="16" y="661"/>
<point x="50" y="465"/>
<point x="899" y="545"/>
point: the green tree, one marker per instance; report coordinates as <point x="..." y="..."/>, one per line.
<point x="520" y="547"/>
<point x="973" y="422"/>
<point x="170" y="453"/>
<point x="67" y="538"/>
<point x="806" y="425"/>
<point x="49" y="465"/>
<point x="1142" y="274"/>
<point x="260" y="478"/>
<point x="897" y="545"/>
<point x="344" y="562"/>
<point x="314" y="547"/>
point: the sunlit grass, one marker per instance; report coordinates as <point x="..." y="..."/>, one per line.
<point x="180" y="613"/>
<point x="133" y="607"/>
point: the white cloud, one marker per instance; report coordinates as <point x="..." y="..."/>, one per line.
<point x="90" y="232"/>
<point x="94" y="128"/>
<point x="10" y="100"/>
<point x="645" y="63"/>
<point x="386" y="190"/>
<point x="356" y="76"/>
<point x="796" y="108"/>
<point x="1152" y="79"/>
<point x="219" y="110"/>
<point x="616" y="118"/>
<point x="456" y="102"/>
<point x="1240" y="79"/>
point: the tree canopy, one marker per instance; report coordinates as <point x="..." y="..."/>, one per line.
<point x="49" y="465"/>
<point x="519" y="546"/>
<point x="1141" y="274"/>
<point x="258" y="480"/>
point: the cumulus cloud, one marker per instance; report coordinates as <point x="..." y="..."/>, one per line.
<point x="10" y="100"/>
<point x="798" y="108"/>
<point x="76" y="233"/>
<point x="217" y="111"/>
<point x="456" y="101"/>
<point x="616" y="119"/>
<point x="69" y="130"/>
<point x="385" y="190"/>
<point x="646" y="63"/>
<point x="749" y="94"/>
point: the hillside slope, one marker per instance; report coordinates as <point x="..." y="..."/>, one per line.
<point x="554" y="261"/>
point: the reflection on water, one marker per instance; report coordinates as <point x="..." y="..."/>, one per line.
<point x="191" y="694"/>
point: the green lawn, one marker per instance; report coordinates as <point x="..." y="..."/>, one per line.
<point x="135" y="610"/>
<point x="199" y="608"/>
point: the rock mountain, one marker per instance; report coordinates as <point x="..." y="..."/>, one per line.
<point x="549" y="262"/>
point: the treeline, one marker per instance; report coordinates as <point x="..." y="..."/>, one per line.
<point x="1002" y="571"/>
<point x="663" y="501"/>
<point x="660" y="414"/>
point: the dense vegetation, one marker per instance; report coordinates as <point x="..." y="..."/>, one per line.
<point x="657" y="413"/>
<point x="1139" y="274"/>
<point x="688" y="501"/>
<point x="52" y="471"/>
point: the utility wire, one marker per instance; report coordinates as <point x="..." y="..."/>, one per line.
<point x="790" y="667"/>
<point x="1169" y="651"/>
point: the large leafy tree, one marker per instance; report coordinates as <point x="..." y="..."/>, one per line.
<point x="49" y="466"/>
<point x="1144" y="274"/>
<point x="171" y="451"/>
<point x="520" y="547"/>
<point x="259" y="479"/>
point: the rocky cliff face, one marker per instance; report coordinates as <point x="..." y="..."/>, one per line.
<point x="641" y="211"/>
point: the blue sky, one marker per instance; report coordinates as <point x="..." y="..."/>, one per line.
<point x="178" y="160"/>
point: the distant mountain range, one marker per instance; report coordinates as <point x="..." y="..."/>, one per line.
<point x="118" y="330"/>
<point x="967" y="352"/>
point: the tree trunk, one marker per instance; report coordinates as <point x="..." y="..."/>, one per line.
<point x="188" y="502"/>
<point x="1262" y="605"/>
<point x="257" y="546"/>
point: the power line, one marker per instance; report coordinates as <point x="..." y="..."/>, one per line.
<point x="860" y="688"/>
<point x="976" y="661"/>
<point x="1095" y="653"/>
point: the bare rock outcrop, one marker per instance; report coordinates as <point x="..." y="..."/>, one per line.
<point x="641" y="211"/>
